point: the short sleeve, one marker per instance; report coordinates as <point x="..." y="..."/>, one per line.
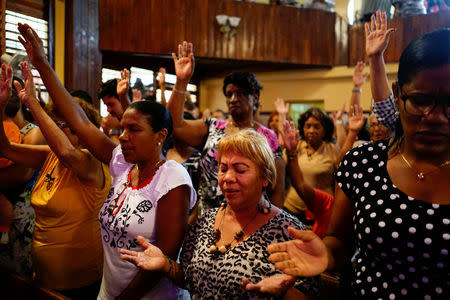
<point x="118" y="165"/>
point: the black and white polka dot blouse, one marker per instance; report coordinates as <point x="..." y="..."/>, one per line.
<point x="403" y="242"/>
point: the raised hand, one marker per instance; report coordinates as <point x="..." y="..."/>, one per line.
<point x="152" y="259"/>
<point x="162" y="77"/>
<point x="5" y="84"/>
<point x="184" y="63"/>
<point x="276" y="284"/>
<point x="305" y="256"/>
<point x="32" y="44"/>
<point x="339" y="113"/>
<point x="124" y="83"/>
<point x="290" y="136"/>
<point x="27" y="94"/>
<point x="356" y="118"/>
<point x="359" y="78"/>
<point x="280" y="107"/>
<point x="377" y="34"/>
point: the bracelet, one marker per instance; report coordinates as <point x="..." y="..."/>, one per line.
<point x="180" y="92"/>
<point x="292" y="156"/>
<point x="356" y="90"/>
<point x="170" y="265"/>
<point x="338" y="122"/>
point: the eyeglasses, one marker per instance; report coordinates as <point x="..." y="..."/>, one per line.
<point x="421" y="104"/>
<point x="61" y="124"/>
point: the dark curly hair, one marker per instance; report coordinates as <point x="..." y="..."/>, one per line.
<point x="246" y="81"/>
<point x="322" y="117"/>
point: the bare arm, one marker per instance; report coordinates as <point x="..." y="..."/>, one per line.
<point x="305" y="191"/>
<point x="359" y="78"/>
<point x="192" y="132"/>
<point x="339" y="234"/>
<point x="171" y="221"/>
<point x="377" y="39"/>
<point x="340" y="129"/>
<point x="14" y="176"/>
<point x="355" y="124"/>
<point x="85" y="166"/>
<point x="96" y="141"/>
<point x="162" y="85"/>
<point x="26" y="155"/>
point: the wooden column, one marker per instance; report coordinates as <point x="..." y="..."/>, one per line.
<point x="83" y="59"/>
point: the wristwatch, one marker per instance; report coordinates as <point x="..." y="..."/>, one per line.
<point x="114" y="131"/>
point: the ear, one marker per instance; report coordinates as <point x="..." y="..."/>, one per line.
<point x="255" y="102"/>
<point x="265" y="183"/>
<point x="162" y="135"/>
<point x="395" y="91"/>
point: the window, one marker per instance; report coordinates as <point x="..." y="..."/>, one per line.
<point x="143" y="79"/>
<point x="14" y="49"/>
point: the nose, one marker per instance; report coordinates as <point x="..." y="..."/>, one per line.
<point x="123" y="136"/>
<point x="229" y="176"/>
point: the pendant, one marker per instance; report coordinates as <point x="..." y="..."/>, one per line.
<point x="217" y="234"/>
<point x="420" y="176"/>
<point x="238" y="235"/>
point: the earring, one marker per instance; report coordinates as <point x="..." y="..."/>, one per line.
<point x="159" y="144"/>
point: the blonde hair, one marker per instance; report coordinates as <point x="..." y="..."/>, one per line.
<point x="255" y="147"/>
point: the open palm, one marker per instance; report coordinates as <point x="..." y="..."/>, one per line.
<point x="276" y="284"/>
<point x="305" y="256"/>
<point x="28" y="92"/>
<point x="33" y="44"/>
<point x="152" y="259"/>
<point x="356" y="119"/>
<point x="124" y="83"/>
<point x="184" y="63"/>
<point x="290" y="136"/>
<point x="377" y="34"/>
<point x="5" y="84"/>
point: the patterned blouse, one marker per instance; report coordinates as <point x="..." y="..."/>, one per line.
<point x="210" y="276"/>
<point x="402" y="242"/>
<point x="209" y="192"/>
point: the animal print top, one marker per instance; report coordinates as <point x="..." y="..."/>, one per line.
<point x="210" y="276"/>
<point x="209" y="192"/>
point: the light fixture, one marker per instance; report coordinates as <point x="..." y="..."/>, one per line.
<point x="228" y="24"/>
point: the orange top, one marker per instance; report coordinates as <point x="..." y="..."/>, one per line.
<point x="13" y="134"/>
<point x="67" y="248"/>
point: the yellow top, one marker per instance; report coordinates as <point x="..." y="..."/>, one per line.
<point x="67" y="248"/>
<point x="318" y="171"/>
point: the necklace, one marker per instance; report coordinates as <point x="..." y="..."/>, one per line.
<point x="116" y="204"/>
<point x="238" y="235"/>
<point x="420" y="174"/>
<point x="49" y="179"/>
<point x="218" y="234"/>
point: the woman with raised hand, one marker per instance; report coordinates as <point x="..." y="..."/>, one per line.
<point x="72" y="185"/>
<point x="149" y="195"/>
<point x="224" y="252"/>
<point x="393" y="195"/>
<point x="241" y="90"/>
<point x="318" y="202"/>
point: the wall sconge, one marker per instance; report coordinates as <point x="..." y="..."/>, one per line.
<point x="228" y="24"/>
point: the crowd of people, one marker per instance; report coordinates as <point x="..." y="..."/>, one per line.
<point x="153" y="202"/>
